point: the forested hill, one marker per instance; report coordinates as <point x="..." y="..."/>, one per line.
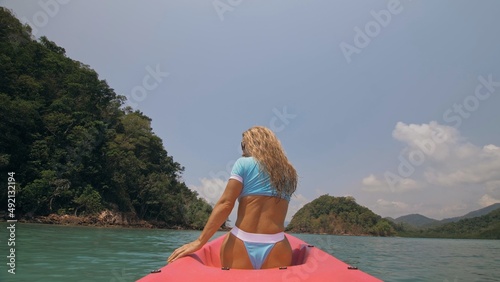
<point x="482" y="227"/>
<point x="339" y="215"/>
<point x="71" y="145"/>
<point x="420" y="221"/>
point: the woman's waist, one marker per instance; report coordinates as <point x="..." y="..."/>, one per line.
<point x="260" y="226"/>
<point x="257" y="237"/>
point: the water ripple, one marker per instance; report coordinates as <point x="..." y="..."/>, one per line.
<point x="62" y="253"/>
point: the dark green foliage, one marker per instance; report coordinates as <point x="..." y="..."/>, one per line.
<point x="339" y="215"/>
<point x="72" y="147"/>
<point x="417" y="221"/>
<point x="90" y="200"/>
<point x="482" y="227"/>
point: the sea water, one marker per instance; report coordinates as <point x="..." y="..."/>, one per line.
<point x="67" y="253"/>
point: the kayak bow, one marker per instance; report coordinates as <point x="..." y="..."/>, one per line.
<point x="308" y="264"/>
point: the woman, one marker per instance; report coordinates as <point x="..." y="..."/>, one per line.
<point x="262" y="180"/>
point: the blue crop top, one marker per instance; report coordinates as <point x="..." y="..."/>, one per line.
<point x="246" y="170"/>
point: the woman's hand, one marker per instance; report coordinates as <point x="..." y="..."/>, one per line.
<point x="219" y="215"/>
<point x="185" y="250"/>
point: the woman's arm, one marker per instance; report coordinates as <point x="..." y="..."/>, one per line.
<point x="219" y="215"/>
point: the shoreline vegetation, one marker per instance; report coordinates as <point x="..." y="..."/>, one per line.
<point x="343" y="216"/>
<point x="481" y="227"/>
<point x="76" y="150"/>
<point x="339" y="216"/>
<point x="106" y="219"/>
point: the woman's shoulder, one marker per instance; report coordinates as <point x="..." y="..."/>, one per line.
<point x="246" y="160"/>
<point x="245" y="163"/>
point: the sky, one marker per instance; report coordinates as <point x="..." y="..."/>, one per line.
<point x="392" y="102"/>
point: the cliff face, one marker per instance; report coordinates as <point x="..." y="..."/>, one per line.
<point x="339" y="215"/>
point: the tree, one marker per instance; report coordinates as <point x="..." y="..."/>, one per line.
<point x="338" y="215"/>
<point x="90" y="200"/>
<point x="72" y="146"/>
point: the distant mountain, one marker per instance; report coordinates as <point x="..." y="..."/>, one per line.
<point x="420" y="221"/>
<point x="482" y="227"/>
<point x="473" y="214"/>
<point x="416" y="220"/>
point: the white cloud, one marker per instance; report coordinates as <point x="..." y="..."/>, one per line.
<point x="437" y="160"/>
<point x="493" y="188"/>
<point x="480" y="167"/>
<point x="372" y="180"/>
<point x="488" y="200"/>
<point x="373" y="184"/>
<point x="444" y="156"/>
<point x="385" y="207"/>
<point x="210" y="189"/>
<point x="391" y="204"/>
<point x="433" y="139"/>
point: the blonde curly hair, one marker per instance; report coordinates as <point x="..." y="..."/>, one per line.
<point x="262" y="144"/>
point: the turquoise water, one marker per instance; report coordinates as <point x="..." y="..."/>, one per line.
<point x="63" y="253"/>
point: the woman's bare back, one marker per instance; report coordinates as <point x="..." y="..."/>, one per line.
<point x="262" y="215"/>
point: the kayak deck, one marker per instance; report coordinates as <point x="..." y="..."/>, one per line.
<point x="308" y="264"/>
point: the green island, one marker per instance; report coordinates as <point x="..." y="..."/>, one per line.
<point x="80" y="157"/>
<point x="343" y="216"/>
<point x="339" y="215"/>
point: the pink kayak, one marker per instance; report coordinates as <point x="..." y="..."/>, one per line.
<point x="309" y="264"/>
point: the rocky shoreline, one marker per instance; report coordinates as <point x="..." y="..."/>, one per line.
<point x="105" y="218"/>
